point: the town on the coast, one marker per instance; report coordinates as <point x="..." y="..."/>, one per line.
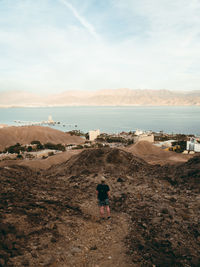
<point x="178" y="143"/>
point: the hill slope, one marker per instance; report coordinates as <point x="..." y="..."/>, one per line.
<point x="50" y="218"/>
<point x="113" y="161"/>
<point x="25" y="134"/>
<point x="154" y="154"/>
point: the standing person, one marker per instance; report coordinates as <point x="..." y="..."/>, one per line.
<point x="103" y="194"/>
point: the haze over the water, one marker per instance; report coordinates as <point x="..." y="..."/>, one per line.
<point x="57" y="45"/>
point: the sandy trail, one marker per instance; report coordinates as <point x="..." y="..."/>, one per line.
<point x="96" y="243"/>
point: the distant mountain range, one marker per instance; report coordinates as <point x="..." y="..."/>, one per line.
<point x="109" y="97"/>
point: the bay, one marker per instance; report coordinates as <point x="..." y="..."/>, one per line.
<point x="173" y="119"/>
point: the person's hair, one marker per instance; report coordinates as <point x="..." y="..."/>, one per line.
<point x="103" y="180"/>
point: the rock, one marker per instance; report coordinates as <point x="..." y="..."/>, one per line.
<point x="47" y="260"/>
<point x="164" y="211"/>
<point x="75" y="250"/>
<point x="8" y="244"/>
<point x="53" y="240"/>
<point x="156" y="220"/>
<point x="93" y="248"/>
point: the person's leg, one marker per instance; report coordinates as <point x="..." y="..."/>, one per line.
<point x="108" y="211"/>
<point x="102" y="211"/>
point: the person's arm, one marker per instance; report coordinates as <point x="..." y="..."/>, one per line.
<point x="97" y="192"/>
<point x="108" y="191"/>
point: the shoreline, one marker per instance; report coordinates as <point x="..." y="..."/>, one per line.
<point x="110" y="119"/>
<point x="63" y="106"/>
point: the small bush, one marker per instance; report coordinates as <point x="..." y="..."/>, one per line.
<point x="54" y="146"/>
<point x="35" y="142"/>
<point x="29" y="149"/>
<point x="14" y="149"/>
<point x="78" y="147"/>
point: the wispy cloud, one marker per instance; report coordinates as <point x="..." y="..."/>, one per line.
<point x="82" y="20"/>
<point x="46" y="45"/>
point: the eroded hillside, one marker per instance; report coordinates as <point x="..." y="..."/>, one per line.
<point x="50" y="218"/>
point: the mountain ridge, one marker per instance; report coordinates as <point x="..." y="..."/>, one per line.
<point x="103" y="97"/>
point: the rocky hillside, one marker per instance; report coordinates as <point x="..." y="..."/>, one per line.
<point x="50" y="218"/>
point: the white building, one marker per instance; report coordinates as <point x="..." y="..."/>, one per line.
<point x="193" y="145"/>
<point x="50" y="120"/>
<point x="138" y="132"/>
<point x="93" y="134"/>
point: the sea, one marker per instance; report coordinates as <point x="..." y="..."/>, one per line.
<point x="109" y="119"/>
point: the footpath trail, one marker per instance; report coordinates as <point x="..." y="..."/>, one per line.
<point x="94" y="242"/>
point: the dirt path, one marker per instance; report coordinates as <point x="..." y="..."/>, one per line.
<point x="93" y="242"/>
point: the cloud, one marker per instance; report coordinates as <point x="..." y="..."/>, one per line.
<point x="44" y="49"/>
<point x="82" y="20"/>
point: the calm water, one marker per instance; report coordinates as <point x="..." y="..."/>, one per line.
<point x="112" y="119"/>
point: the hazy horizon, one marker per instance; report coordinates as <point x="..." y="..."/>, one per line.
<point x="58" y="45"/>
<point x="109" y="97"/>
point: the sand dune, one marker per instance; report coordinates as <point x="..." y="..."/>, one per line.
<point x="155" y="155"/>
<point x="25" y="134"/>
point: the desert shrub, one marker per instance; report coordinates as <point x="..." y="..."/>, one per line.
<point x="60" y="147"/>
<point x="78" y="147"/>
<point x="99" y="145"/>
<point x="29" y="149"/>
<point x="86" y="146"/>
<point x="14" y="149"/>
<point x="130" y="142"/>
<point x="39" y="145"/>
<point x="114" y="139"/>
<point x="35" y="142"/>
<point x="77" y="133"/>
<point x="69" y="145"/>
<point x="54" y="146"/>
<point x="88" y="142"/>
<point x="101" y="139"/>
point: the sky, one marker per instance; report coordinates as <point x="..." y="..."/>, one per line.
<point x="50" y="46"/>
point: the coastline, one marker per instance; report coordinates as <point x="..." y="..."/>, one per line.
<point x="110" y="119"/>
<point x="110" y="105"/>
